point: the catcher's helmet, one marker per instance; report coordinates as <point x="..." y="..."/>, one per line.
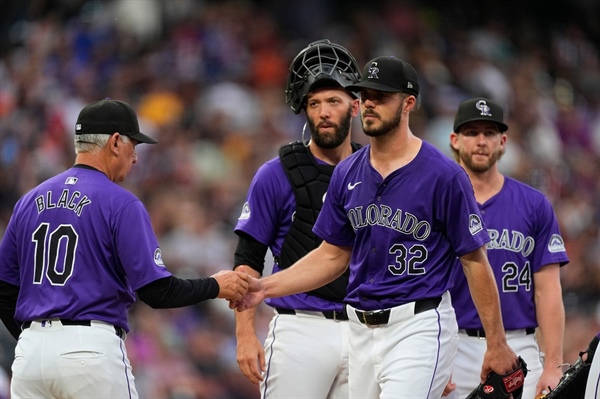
<point x="321" y="64"/>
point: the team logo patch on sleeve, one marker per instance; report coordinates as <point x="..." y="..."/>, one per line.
<point x="158" y="258"/>
<point x="245" y="212"/>
<point x="556" y="244"/>
<point x="475" y="225"/>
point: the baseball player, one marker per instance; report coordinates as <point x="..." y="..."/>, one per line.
<point x="305" y="354"/>
<point x="402" y="217"/>
<point x="526" y="251"/>
<point x="77" y="250"/>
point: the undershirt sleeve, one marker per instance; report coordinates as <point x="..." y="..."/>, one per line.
<point x="250" y="251"/>
<point x="8" y="303"/>
<point x="173" y="292"/>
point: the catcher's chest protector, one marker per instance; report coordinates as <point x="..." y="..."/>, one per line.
<point x="309" y="180"/>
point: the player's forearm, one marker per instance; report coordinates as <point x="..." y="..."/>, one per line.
<point x="550" y="314"/>
<point x="245" y="321"/>
<point x="319" y="267"/>
<point x="484" y="292"/>
<point x="552" y="330"/>
<point x="487" y="303"/>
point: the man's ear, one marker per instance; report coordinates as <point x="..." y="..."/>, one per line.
<point x="453" y="139"/>
<point x="355" y="107"/>
<point x="411" y="103"/>
<point x="503" y="140"/>
<point x="113" y="142"/>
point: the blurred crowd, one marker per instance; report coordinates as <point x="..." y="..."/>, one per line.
<point x="207" y="80"/>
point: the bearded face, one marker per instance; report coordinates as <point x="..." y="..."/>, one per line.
<point x="480" y="161"/>
<point x="372" y="128"/>
<point x="330" y="139"/>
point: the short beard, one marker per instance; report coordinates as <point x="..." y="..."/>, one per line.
<point x="386" y="126"/>
<point x="329" y="141"/>
<point x="480" y="167"/>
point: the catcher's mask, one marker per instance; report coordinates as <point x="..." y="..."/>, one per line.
<point x="321" y="64"/>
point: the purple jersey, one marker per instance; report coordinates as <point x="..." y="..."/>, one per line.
<point x="267" y="216"/>
<point x="406" y="230"/>
<point x="78" y="246"/>
<point x="524" y="237"/>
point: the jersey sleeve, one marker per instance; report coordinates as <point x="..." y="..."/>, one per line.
<point x="9" y="266"/>
<point x="332" y="224"/>
<point x="262" y="208"/>
<point x="459" y="212"/>
<point x="137" y="246"/>
<point x="552" y="248"/>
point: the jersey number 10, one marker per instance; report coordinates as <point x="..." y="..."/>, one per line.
<point x="54" y="253"/>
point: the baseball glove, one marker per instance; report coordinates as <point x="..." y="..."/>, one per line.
<point x="572" y="383"/>
<point x="502" y="386"/>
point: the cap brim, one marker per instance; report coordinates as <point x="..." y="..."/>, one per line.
<point x="142" y="138"/>
<point x="503" y="127"/>
<point x="374" y="86"/>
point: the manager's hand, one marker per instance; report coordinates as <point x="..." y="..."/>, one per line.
<point x="232" y="285"/>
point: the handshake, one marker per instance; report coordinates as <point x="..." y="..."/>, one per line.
<point x="241" y="289"/>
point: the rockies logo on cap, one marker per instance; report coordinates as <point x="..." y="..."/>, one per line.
<point x="388" y="74"/>
<point x="373" y="71"/>
<point x="479" y="109"/>
<point x="483" y="107"/>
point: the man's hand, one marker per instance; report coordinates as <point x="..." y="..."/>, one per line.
<point x="232" y="285"/>
<point x="251" y="299"/>
<point x="550" y="378"/>
<point x="502" y="386"/>
<point x="250" y="352"/>
<point x="450" y="386"/>
<point x="251" y="356"/>
<point x="499" y="358"/>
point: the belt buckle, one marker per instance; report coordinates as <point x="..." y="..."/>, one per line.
<point x="46" y="322"/>
<point x="480" y="336"/>
<point x="338" y="315"/>
<point x="372" y="313"/>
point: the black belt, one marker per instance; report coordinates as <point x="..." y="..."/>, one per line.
<point x="381" y="317"/>
<point x="65" y="322"/>
<point x="473" y="332"/>
<point x="340" y="315"/>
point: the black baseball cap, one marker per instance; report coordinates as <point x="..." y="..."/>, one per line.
<point x="109" y="116"/>
<point x="479" y="109"/>
<point x="388" y="74"/>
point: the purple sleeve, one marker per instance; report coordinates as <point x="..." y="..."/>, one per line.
<point x="548" y="234"/>
<point x="9" y="266"/>
<point x="267" y="211"/>
<point x="332" y="224"/>
<point x="137" y="246"/>
<point x="459" y="212"/>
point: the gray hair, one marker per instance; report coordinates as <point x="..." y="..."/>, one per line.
<point x="93" y="142"/>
